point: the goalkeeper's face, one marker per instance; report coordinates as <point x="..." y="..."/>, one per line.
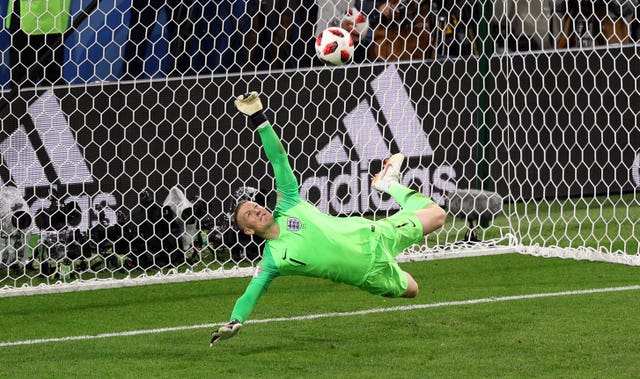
<point x="253" y="218"/>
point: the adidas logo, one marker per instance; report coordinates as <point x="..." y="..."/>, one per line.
<point x="50" y="157"/>
<point x="373" y="141"/>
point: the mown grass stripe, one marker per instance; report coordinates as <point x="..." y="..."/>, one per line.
<point x="325" y="315"/>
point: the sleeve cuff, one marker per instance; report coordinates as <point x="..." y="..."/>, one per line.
<point x="258" y="119"/>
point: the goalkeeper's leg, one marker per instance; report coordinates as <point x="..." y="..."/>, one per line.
<point x="412" y="286"/>
<point x="388" y="181"/>
<point x="431" y="216"/>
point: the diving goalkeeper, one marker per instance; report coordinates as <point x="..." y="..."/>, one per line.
<point x="301" y="240"/>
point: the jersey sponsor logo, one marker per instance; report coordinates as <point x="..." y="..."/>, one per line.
<point x="368" y="138"/>
<point x="293" y="225"/>
<point x="46" y="154"/>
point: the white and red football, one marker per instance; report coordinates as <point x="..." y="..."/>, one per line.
<point x="359" y="21"/>
<point x="334" y="46"/>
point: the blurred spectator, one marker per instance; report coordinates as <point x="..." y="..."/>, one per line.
<point x="144" y="15"/>
<point x="417" y="29"/>
<point x="399" y="29"/>
<point x="454" y="27"/>
<point x="284" y="34"/>
<point x="219" y="37"/>
<point x="36" y="54"/>
<point x="523" y="25"/>
<point x="233" y="46"/>
<point x="593" y="23"/>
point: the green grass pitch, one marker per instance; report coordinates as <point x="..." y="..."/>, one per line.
<point x="571" y="335"/>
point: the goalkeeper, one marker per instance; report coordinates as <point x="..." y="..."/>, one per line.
<point x="301" y="240"/>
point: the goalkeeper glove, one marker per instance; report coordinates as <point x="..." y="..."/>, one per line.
<point x="226" y="331"/>
<point x="250" y="105"/>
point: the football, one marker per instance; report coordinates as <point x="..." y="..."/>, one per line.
<point x="359" y="21"/>
<point x="334" y="46"/>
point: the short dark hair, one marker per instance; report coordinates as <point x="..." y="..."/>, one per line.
<point x="234" y="215"/>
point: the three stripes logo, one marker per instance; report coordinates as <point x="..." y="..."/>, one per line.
<point x="42" y="152"/>
<point x="372" y="139"/>
<point x="363" y="129"/>
<point x="46" y="155"/>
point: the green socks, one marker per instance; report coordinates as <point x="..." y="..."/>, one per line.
<point x="408" y="198"/>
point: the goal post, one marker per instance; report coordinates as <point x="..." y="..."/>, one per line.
<point x="130" y="182"/>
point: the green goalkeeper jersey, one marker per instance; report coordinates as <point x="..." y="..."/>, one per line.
<point x="310" y="242"/>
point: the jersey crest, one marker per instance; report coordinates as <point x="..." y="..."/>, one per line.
<point x="293" y="224"/>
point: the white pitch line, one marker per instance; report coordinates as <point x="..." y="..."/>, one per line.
<point x="324" y="315"/>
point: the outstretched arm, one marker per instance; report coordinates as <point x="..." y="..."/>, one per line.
<point x="286" y="182"/>
<point x="265" y="273"/>
<point x="257" y="287"/>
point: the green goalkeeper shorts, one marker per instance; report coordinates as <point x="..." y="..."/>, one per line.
<point x="392" y="235"/>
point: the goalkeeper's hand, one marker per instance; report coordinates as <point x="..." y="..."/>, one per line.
<point x="226" y="331"/>
<point x="250" y="105"/>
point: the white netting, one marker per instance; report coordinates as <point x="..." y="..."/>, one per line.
<point x="121" y="153"/>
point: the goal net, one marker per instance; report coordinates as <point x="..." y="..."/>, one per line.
<point x="121" y="166"/>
